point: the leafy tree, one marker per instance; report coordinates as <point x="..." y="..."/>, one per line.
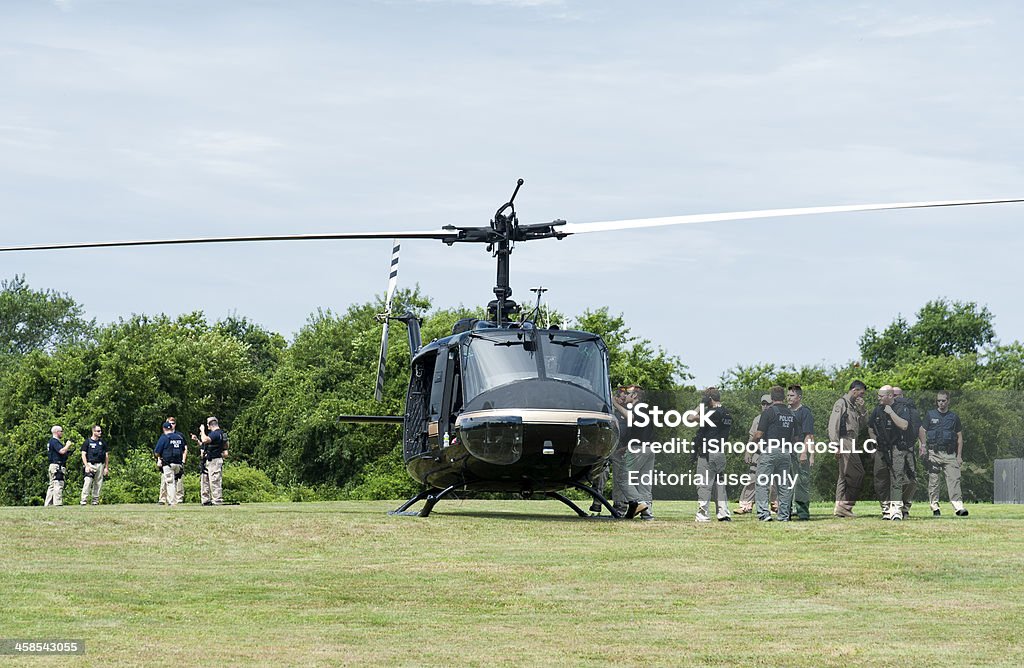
<point x="631" y="359"/>
<point x="265" y="347"/>
<point x="942" y="329"/>
<point x="292" y="429"/>
<point x="128" y="379"/>
<point x="37" y="319"/>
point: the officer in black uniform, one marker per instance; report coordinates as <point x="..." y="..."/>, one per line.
<point x="710" y="461"/>
<point x="777" y="426"/>
<point x="57" y="471"/>
<point x="96" y="463"/>
<point x="913" y="435"/>
<point x="629" y="499"/>
<point x="215" y="444"/>
<point x="886" y="426"/>
<point x="171" y="452"/>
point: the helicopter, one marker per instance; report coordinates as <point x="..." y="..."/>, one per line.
<point x="502" y="404"/>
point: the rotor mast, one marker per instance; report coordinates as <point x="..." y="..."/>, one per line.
<point x="506" y="227"/>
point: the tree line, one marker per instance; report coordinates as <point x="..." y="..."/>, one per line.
<point x="279" y="400"/>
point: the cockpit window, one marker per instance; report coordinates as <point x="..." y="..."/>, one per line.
<point x="494" y="358"/>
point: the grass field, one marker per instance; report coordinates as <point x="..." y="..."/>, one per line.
<point x="510" y="582"/>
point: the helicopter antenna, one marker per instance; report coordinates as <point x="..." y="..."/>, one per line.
<point x="539" y="291"/>
<point x="506" y="226"/>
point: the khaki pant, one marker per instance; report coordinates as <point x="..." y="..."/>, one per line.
<point x="163" y="486"/>
<point x="746" y="501"/>
<point x="883" y="481"/>
<point x="93" y="482"/>
<point x="802" y="490"/>
<point x="174" y="490"/>
<point x="851" y="475"/>
<point x="891" y="484"/>
<point x="773" y="463"/>
<point x="624" y="462"/>
<point x="945" y="464"/>
<point x="910" y="486"/>
<point x="211" y="488"/>
<point x="55" y="490"/>
<point x="709" y="467"/>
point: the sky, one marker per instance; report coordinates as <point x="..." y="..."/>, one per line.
<point x="131" y="120"/>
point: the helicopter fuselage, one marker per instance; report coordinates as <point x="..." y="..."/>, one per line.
<point x="509" y="409"/>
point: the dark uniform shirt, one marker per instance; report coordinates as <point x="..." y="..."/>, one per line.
<point x="777" y="424"/>
<point x="170" y="448"/>
<point x="804" y="421"/>
<point x="215" y="448"/>
<point x="95" y="450"/>
<point x="722" y="421"/>
<point x="942" y="429"/>
<point x="913" y="415"/>
<point x="887" y="433"/>
<point x="53" y="449"/>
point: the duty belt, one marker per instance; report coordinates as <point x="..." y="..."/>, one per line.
<point x="948" y="449"/>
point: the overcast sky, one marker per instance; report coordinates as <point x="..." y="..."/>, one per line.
<point x="186" y="118"/>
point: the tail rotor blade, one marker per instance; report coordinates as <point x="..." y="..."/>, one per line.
<point x="378" y="394"/>
<point x="392" y="284"/>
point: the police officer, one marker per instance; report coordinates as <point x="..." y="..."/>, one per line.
<point x="159" y="467"/>
<point x="631" y="500"/>
<point x="913" y="436"/>
<point x="778" y="427"/>
<point x="803" y="456"/>
<point x="746" y="502"/>
<point x="886" y="426"/>
<point x="844" y="423"/>
<point x="171" y="452"/>
<point x="215" y="444"/>
<point x="96" y="463"/>
<point x="945" y="439"/>
<point x="598" y="480"/>
<point x="58" y="470"/>
<point x="711" y="460"/>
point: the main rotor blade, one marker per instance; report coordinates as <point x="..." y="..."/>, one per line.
<point x="607" y="226"/>
<point x="432" y="234"/>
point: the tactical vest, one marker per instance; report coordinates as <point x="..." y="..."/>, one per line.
<point x="781" y="427"/>
<point x="912" y="416"/>
<point x="95" y="451"/>
<point x="886" y="431"/>
<point x="941" y="430"/>
<point x="722" y="420"/>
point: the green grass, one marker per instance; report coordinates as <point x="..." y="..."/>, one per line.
<point x="510" y="582"/>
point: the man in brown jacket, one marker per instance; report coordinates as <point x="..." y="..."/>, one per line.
<point x="844" y="423"/>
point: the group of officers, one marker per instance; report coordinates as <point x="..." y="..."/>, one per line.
<point x="171" y="453"/>
<point x="785" y="431"/>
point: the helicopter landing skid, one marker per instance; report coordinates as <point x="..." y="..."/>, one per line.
<point x="432" y="496"/>
<point x="567" y="501"/>
<point x="597" y="496"/>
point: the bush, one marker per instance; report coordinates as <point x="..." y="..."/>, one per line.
<point x="133" y="480"/>
<point x="384" y="478"/>
<point x="245" y="484"/>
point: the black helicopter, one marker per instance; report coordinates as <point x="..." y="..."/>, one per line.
<point x="503" y="405"/>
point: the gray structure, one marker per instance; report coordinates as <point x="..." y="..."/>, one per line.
<point x="1008" y="485"/>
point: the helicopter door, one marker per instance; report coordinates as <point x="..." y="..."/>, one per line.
<point x="445" y="395"/>
<point x="417" y="410"/>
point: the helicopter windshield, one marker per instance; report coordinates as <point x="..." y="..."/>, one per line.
<point x="494" y="358"/>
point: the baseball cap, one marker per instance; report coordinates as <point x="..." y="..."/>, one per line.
<point x="766" y="398"/>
